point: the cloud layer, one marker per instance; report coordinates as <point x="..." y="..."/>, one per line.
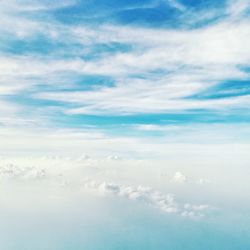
<point x="165" y="202"/>
<point x="152" y="70"/>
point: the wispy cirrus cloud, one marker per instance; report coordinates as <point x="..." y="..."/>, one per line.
<point x="207" y="57"/>
<point x="151" y="70"/>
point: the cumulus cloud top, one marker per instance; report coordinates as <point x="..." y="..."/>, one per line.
<point x="11" y="171"/>
<point x="179" y="177"/>
<point x="165" y="202"/>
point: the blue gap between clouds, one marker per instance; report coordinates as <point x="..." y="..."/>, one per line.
<point x="58" y="49"/>
<point x="227" y="89"/>
<point x="158" y="13"/>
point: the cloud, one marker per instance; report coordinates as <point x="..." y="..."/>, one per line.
<point x="165" y="202"/>
<point x="179" y="178"/>
<point x="203" y="181"/>
<point x="194" y="60"/>
<point x="152" y="70"/>
<point x="11" y="171"/>
<point x="177" y="4"/>
<point x="162" y="68"/>
<point x="238" y="8"/>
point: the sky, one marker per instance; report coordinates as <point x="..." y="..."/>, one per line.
<point x="124" y="124"/>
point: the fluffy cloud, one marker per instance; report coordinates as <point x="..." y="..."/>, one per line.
<point x="11" y="171"/>
<point x="179" y="178"/>
<point x="165" y="202"/>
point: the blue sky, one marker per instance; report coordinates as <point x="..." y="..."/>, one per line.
<point x="107" y="63"/>
<point x="128" y="117"/>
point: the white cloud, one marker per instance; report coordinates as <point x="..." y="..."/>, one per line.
<point x="193" y="60"/>
<point x="237" y="8"/>
<point x="177" y="4"/>
<point x="108" y="102"/>
<point x="176" y="64"/>
<point x="11" y="171"/>
<point x="196" y="59"/>
<point x="165" y="202"/>
<point x="179" y="178"/>
<point x="203" y="181"/>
